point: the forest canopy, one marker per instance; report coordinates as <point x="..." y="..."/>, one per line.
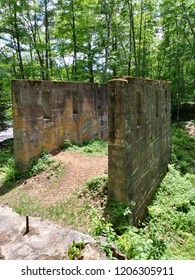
<point x="93" y="40"/>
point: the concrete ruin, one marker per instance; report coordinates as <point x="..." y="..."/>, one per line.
<point x="46" y="113"/>
<point x="133" y="113"/>
<point x="139" y="140"/>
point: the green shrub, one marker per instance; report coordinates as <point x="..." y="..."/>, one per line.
<point x="98" y="184"/>
<point x="38" y="165"/>
<point x="13" y="173"/>
<point x="118" y="215"/>
<point x="67" y="144"/>
<point x="141" y="244"/>
<point x="183" y="147"/>
<point x="75" y="249"/>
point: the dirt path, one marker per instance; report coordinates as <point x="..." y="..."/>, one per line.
<point x="79" y="169"/>
<point x="51" y="187"/>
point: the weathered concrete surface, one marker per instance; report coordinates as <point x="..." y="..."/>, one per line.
<point x="44" y="241"/>
<point x="46" y="113"/>
<point x="139" y="149"/>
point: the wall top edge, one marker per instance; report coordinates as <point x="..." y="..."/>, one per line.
<point x="114" y="78"/>
<point x="131" y="78"/>
<point x="56" y="82"/>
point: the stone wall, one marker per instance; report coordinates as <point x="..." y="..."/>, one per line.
<point x="46" y="113"/>
<point x="139" y="140"/>
<point x="135" y="113"/>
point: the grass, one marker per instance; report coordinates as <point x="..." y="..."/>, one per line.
<point x="169" y="231"/>
<point x="93" y="147"/>
<point x="75" y="212"/>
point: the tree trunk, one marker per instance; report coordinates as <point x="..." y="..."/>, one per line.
<point x="46" y="40"/>
<point x="18" y="46"/>
<point x="133" y="41"/>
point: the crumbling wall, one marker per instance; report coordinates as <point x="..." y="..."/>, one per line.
<point x="139" y="140"/>
<point x="46" y="113"/>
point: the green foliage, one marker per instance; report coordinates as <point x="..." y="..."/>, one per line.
<point x="94" y="40"/>
<point x="171" y="214"/>
<point x="183" y="147"/>
<point x="138" y="245"/>
<point x="67" y="144"/>
<point x="6" y="152"/>
<point x="118" y="215"/>
<point x="173" y="207"/>
<point x="10" y="172"/>
<point x="75" y="249"/>
<point x="6" y="160"/>
<point x="3" y="107"/>
<point x="103" y="228"/>
<point x="98" y="184"/>
<point x="37" y="166"/>
<point x="92" y="147"/>
<point x="176" y="49"/>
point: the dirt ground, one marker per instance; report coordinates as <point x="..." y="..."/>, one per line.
<point x="79" y="169"/>
<point x="53" y="186"/>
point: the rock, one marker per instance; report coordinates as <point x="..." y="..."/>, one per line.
<point x="92" y="251"/>
<point x="45" y="239"/>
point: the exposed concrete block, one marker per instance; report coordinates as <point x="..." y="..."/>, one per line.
<point x="46" y="113"/>
<point x="139" y="112"/>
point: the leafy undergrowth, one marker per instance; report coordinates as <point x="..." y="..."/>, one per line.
<point x="8" y="170"/>
<point x="170" y="230"/>
<point x="6" y="156"/>
<point x="183" y="147"/>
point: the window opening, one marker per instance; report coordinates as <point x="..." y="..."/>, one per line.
<point x="166" y="101"/>
<point x="99" y="100"/>
<point x="138" y="105"/>
<point x="157" y="104"/>
<point x="46" y="101"/>
<point x="75" y="103"/>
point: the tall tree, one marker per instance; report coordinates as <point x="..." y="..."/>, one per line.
<point x="177" y="48"/>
